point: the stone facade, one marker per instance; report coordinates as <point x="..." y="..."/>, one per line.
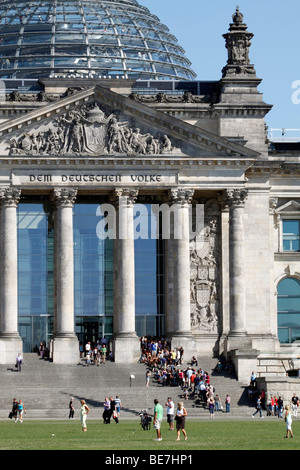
<point x="101" y="137"/>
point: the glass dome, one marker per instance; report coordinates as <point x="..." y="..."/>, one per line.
<point x="87" y="38"/>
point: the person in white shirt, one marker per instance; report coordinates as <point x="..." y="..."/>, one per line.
<point x="19" y="361"/>
<point x="170" y="413"/>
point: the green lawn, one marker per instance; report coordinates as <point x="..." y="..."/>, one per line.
<point x="256" y="434"/>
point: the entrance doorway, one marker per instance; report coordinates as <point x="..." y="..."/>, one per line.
<point x="92" y="329"/>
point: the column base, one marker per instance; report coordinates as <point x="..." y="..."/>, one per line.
<point x="65" y="350"/>
<point x="245" y="362"/>
<point x="187" y="342"/>
<point x="10" y="347"/>
<point x="127" y="348"/>
<point x="238" y="341"/>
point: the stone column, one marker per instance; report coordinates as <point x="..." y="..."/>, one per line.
<point x="238" y="330"/>
<point x="65" y="341"/>
<point x="10" y="341"/>
<point x="126" y="342"/>
<point x="181" y="335"/>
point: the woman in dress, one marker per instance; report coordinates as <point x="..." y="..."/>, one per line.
<point x="84" y="410"/>
<point x="289" y="421"/>
<point x="180" y="421"/>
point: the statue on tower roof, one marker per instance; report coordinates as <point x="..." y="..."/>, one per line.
<point x="238" y="42"/>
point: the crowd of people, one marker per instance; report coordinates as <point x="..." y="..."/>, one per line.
<point x="95" y="353"/>
<point x="272" y="405"/>
<point x="111" y="409"/>
<point x="167" y="367"/>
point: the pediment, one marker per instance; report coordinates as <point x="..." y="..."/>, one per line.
<point x="99" y="122"/>
<point x="290" y="207"/>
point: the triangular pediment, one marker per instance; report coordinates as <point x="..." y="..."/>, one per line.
<point x="98" y="122"/>
<point x="289" y="208"/>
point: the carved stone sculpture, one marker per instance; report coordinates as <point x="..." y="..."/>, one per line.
<point x="238" y="42"/>
<point x="89" y="131"/>
<point x="205" y="283"/>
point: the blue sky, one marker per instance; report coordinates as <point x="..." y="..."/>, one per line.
<point x="275" y="51"/>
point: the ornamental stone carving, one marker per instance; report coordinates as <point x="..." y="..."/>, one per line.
<point x="64" y="197"/>
<point x="130" y="194"/>
<point x="205" y="274"/>
<point x="236" y="197"/>
<point x="238" y="42"/>
<point x="90" y="131"/>
<point x="181" y="196"/>
<point x="10" y="196"/>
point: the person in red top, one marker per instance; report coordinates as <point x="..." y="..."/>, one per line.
<point x="193" y="377"/>
<point x="272" y="406"/>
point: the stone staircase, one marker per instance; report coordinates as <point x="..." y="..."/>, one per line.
<point x="46" y="388"/>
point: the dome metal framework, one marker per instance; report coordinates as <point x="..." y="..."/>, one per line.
<point x="87" y="39"/>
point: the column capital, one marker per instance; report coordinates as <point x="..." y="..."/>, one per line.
<point x="130" y="193"/>
<point x="181" y="196"/>
<point x="64" y="197"/>
<point x="236" y="197"/>
<point x="10" y="197"/>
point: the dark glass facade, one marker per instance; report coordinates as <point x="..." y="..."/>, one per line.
<point x="35" y="271"/>
<point x="149" y="276"/>
<point x="87" y="38"/>
<point x="93" y="273"/>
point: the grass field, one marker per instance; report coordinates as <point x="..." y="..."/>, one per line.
<point x="267" y="434"/>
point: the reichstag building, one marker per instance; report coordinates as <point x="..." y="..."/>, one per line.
<point x="100" y="105"/>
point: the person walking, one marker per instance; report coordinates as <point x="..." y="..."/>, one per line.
<point x="118" y="406"/>
<point x="258" y="408"/>
<point x="180" y="421"/>
<point x="170" y="413"/>
<point x="112" y="410"/>
<point x="279" y="407"/>
<point x="211" y="407"/>
<point x="19" y="362"/>
<point x="148" y="375"/>
<point x="71" y="409"/>
<point x="15" y="409"/>
<point x="84" y="410"/>
<point x="227" y="403"/>
<point x="158" y="416"/>
<point x="103" y="352"/>
<point x="288" y="419"/>
<point x="295" y="404"/>
<point x="106" y="411"/>
<point x="21" y="410"/>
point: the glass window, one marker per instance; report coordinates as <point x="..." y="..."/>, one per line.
<point x="149" y="274"/>
<point x="93" y="264"/>
<point x="8" y="39"/>
<point x="288" y="295"/>
<point x="69" y="38"/>
<point x="36" y="50"/>
<point x="36" y="38"/>
<point x="102" y="39"/>
<point x="30" y="62"/>
<point x="69" y="50"/>
<point x="291" y="235"/>
<point x="35" y="260"/>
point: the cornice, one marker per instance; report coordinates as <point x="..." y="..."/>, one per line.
<point x="105" y="162"/>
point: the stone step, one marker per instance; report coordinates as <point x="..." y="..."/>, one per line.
<point x="46" y="388"/>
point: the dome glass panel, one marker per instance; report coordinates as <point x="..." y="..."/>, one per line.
<point x="87" y="39"/>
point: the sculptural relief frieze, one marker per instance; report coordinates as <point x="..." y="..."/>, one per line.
<point x="205" y="274"/>
<point x="89" y="130"/>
